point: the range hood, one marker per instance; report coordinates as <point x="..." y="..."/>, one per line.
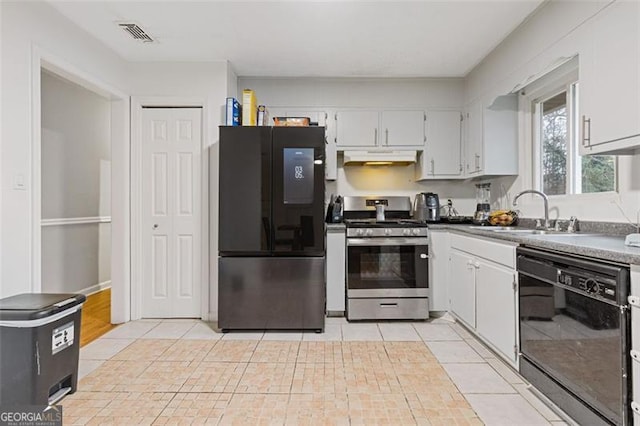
<point x="379" y="158"/>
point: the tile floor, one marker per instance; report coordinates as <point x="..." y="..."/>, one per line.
<point x="183" y="372"/>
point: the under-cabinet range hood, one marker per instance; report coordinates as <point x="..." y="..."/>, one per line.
<point x="379" y="158"/>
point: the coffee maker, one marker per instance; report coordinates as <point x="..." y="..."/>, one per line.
<point x="483" y="203"/>
<point x="426" y="207"/>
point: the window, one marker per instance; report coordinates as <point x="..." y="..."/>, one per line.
<point x="560" y="169"/>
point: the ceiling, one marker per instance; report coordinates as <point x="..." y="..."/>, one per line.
<point x="306" y="38"/>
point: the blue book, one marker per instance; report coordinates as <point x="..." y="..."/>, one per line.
<point x="233" y="112"/>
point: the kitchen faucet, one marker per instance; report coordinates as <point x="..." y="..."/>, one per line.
<point x="544" y="198"/>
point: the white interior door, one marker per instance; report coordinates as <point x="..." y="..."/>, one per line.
<point x="171" y="200"/>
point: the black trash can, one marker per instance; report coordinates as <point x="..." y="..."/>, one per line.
<point x="39" y="347"/>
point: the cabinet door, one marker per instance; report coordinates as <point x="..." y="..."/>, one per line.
<point x="402" y="128"/>
<point x="357" y="128"/>
<point x="438" y="270"/>
<point x="336" y="255"/>
<point x="473" y="146"/>
<point x="443" y="149"/>
<point x="610" y="80"/>
<point x="322" y="118"/>
<point x="496" y="307"/>
<point x="462" y="288"/>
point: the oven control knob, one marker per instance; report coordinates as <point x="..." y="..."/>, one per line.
<point x="592" y="286"/>
<point x="415" y="231"/>
<point x="369" y="232"/>
<point x="359" y="232"/>
<point x="406" y="232"/>
<point x="387" y="232"/>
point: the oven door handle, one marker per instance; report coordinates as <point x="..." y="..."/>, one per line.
<point x="388" y="241"/>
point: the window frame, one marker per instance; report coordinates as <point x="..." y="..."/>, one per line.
<point x="566" y="80"/>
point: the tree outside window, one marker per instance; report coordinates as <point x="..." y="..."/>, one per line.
<point x="563" y="170"/>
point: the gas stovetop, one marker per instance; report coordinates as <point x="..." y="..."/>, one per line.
<point x="390" y="223"/>
<point x="363" y="228"/>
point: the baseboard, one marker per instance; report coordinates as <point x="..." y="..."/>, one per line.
<point x="96" y="288"/>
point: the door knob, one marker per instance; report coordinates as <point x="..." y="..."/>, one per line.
<point x="155" y="226"/>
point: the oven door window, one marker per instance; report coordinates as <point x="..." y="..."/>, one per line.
<point x="387" y="267"/>
<point x="575" y="339"/>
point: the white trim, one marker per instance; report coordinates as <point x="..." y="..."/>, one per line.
<point x="137" y="103"/>
<point x="120" y="262"/>
<point x="36" y="169"/>
<point x="95" y="288"/>
<point x="75" y="221"/>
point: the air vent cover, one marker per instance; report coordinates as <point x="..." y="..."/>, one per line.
<point x="136" y="32"/>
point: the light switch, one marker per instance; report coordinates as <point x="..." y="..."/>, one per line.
<point x="19" y="183"/>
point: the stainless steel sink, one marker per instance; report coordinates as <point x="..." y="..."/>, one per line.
<point x="520" y="231"/>
<point x="507" y="229"/>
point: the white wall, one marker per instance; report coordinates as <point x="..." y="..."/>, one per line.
<point x="559" y="29"/>
<point x="76" y="143"/>
<point x="332" y="94"/>
<point x="28" y="28"/>
<point x="75" y="175"/>
<point x="210" y="83"/>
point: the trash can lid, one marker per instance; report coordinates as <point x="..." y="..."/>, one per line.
<point x="28" y="306"/>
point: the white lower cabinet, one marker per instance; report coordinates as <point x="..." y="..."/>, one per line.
<point x="482" y="290"/>
<point x="336" y="279"/>
<point x="635" y="345"/>
<point x="462" y="287"/>
<point x="438" y="271"/>
<point x="496" y="307"/>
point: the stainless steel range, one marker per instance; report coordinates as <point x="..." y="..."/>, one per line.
<point x="387" y="260"/>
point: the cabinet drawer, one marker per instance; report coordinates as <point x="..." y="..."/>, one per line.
<point x="375" y="309"/>
<point x="503" y="253"/>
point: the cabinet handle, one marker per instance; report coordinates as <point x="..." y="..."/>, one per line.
<point x="388" y="305"/>
<point x="375" y="136"/>
<point x="477" y="161"/>
<point x="386" y="136"/>
<point x="476" y="265"/>
<point x="586" y="124"/>
<point x="433" y="166"/>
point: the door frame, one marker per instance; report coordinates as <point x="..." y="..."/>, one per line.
<point x="137" y="103"/>
<point x="120" y="166"/>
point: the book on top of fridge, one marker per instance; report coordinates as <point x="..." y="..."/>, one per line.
<point x="249" y="108"/>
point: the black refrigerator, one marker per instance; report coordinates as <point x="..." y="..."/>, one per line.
<point x="271" y="264"/>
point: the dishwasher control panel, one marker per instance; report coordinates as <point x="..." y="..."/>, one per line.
<point x="596" y="286"/>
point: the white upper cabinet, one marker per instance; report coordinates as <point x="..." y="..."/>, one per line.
<point x="402" y="128"/>
<point x="491" y="145"/>
<point x="609" y="82"/>
<point x="380" y="129"/>
<point x="357" y="128"/>
<point x="442" y="155"/>
<point x="320" y="116"/>
<point x="473" y="151"/>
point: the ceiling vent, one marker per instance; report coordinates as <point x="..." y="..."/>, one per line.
<point x="136" y="32"/>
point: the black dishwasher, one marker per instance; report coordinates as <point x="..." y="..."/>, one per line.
<point x="575" y="334"/>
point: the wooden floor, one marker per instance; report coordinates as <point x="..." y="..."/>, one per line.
<point x="96" y="316"/>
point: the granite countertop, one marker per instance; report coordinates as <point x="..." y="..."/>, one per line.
<point x="585" y="243"/>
